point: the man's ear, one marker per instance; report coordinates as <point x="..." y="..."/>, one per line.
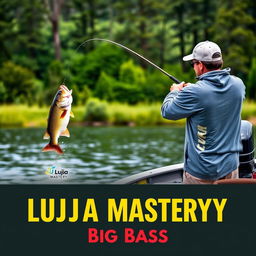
<point x="202" y="67"/>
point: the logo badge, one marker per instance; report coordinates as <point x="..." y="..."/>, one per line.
<point x="55" y="172"/>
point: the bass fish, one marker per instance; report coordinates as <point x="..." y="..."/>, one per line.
<point x="58" y="119"/>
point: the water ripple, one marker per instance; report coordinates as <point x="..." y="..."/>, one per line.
<point x="92" y="155"/>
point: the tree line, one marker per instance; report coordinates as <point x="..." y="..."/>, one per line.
<point x="39" y="38"/>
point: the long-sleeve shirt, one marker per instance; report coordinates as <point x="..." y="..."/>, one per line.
<point x="212" y="107"/>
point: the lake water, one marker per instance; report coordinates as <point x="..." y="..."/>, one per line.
<point x="91" y="155"/>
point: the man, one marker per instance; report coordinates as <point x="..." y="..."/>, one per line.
<point x="212" y="107"/>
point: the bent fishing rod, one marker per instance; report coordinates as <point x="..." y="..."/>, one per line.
<point x="133" y="52"/>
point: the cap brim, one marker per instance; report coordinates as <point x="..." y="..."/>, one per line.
<point x="188" y="57"/>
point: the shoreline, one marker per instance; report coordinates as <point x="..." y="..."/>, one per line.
<point x="114" y="114"/>
<point x="107" y="124"/>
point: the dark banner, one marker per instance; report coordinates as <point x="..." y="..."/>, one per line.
<point x="127" y="220"/>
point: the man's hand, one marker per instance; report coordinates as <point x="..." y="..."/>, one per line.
<point x="178" y="87"/>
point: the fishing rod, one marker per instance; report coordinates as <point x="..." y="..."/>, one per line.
<point x="133" y="52"/>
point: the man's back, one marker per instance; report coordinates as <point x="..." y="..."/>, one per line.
<point x="220" y="96"/>
<point x="212" y="107"/>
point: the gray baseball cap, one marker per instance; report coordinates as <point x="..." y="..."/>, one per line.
<point x="205" y="51"/>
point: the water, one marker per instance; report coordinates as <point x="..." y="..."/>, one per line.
<point x="92" y="155"/>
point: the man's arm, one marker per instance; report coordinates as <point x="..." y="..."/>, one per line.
<point x="180" y="104"/>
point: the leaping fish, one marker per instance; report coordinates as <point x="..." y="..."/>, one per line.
<point x="58" y="119"/>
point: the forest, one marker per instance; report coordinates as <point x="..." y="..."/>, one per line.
<point x="40" y="41"/>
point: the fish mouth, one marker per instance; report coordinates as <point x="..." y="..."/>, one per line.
<point x="64" y="97"/>
<point x="65" y="102"/>
<point x="65" y="92"/>
<point x="65" y="89"/>
<point x="64" y="106"/>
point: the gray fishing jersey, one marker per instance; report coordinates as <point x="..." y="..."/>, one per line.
<point x="212" y="107"/>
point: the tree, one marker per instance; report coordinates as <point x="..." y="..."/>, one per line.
<point x="159" y="39"/>
<point x="232" y="32"/>
<point x="179" y="9"/>
<point x="200" y="16"/>
<point x="54" y="11"/>
<point x="92" y="15"/>
<point x="251" y="81"/>
<point x="80" y="17"/>
<point x="208" y="14"/>
<point x="30" y="19"/>
<point x="136" y="16"/>
<point x="7" y="24"/>
<point x="18" y="82"/>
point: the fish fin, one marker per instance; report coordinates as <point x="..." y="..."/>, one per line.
<point x="55" y="148"/>
<point x="72" y="114"/>
<point x="46" y="136"/>
<point x="65" y="133"/>
<point x="63" y="114"/>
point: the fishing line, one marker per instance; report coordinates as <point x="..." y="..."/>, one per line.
<point x="58" y="157"/>
<point x="129" y="50"/>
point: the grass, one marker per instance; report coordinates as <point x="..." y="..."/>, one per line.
<point x="249" y="110"/>
<point x="29" y="116"/>
<point x="118" y="114"/>
<point x="141" y="114"/>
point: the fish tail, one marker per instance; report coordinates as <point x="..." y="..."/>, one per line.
<point x="55" y="148"/>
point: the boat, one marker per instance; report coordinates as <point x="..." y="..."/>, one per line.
<point x="173" y="174"/>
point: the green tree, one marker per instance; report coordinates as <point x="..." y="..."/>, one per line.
<point x="160" y="24"/>
<point x="96" y="111"/>
<point x="251" y="81"/>
<point x="53" y="9"/>
<point x="128" y="93"/>
<point x="86" y="68"/>
<point x="104" y="87"/>
<point x="80" y="96"/>
<point x="137" y="18"/>
<point x="28" y="43"/>
<point x="18" y="82"/>
<point x="81" y="19"/>
<point x="179" y="9"/>
<point x="7" y="32"/>
<point x="156" y="87"/>
<point x="87" y="14"/>
<point x="131" y="74"/>
<point x="3" y="92"/>
<point x="232" y="32"/>
<point x="53" y="78"/>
